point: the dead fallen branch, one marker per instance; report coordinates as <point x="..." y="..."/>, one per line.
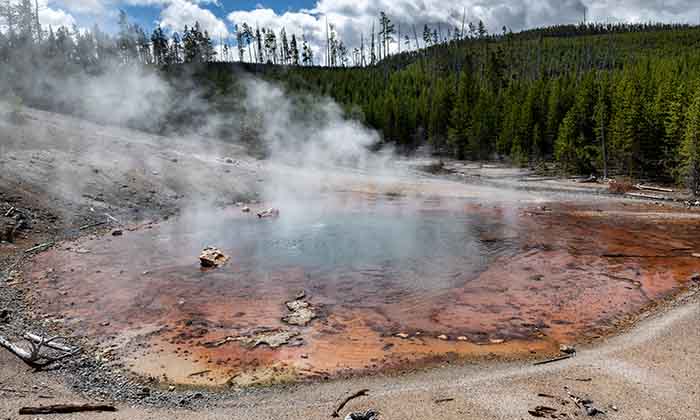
<point x="33" y="357"/>
<point x="640" y="256"/>
<point x="200" y="373"/>
<point x="652" y="188"/>
<point x="542" y="411"/>
<point x="443" y="400"/>
<point x="38" y="247"/>
<point x="92" y="225"/>
<point x="360" y="393"/>
<point x="66" y="409"/>
<point x="112" y="218"/>
<point x="556" y="359"/>
<point x="51" y="344"/>
<point x="647" y="196"/>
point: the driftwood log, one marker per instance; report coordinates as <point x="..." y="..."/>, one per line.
<point x="66" y="408"/>
<point x="360" y="393"/>
<point x="33" y="357"/>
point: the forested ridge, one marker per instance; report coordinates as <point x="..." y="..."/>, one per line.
<point x="594" y="98"/>
<point x="631" y="95"/>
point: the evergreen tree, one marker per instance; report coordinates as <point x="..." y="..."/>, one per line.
<point x="690" y="148"/>
<point x="294" y="50"/>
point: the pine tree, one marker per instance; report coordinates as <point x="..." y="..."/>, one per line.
<point x="294" y="50"/>
<point x="690" y="148"/>
<point x="460" y="118"/>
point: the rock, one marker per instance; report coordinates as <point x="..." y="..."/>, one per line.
<point x="301" y="313"/>
<point x="563" y="348"/>
<point x="212" y="257"/>
<point x="402" y="335"/>
<point x="496" y="340"/>
<point x="367" y="415"/>
<point x="271" y="212"/>
<point x="229" y="160"/>
<point x="171" y="388"/>
<point x="443" y="337"/>
<point x="695" y="277"/>
<point x="273" y="339"/>
<point x="245" y="209"/>
<point x="5" y="315"/>
<point x="117" y="232"/>
<point x="462" y="338"/>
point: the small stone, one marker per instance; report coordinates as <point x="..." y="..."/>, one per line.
<point x="304" y="356"/>
<point x="245" y="209"/>
<point x="496" y="340"/>
<point x="462" y="338"/>
<point x="402" y="335"/>
<point x="443" y="337"/>
<point x="117" y="232"/>
<point x="563" y="348"/>
<point x="171" y="388"/>
<point x="695" y="277"/>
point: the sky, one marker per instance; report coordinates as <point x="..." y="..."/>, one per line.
<point x="308" y="17"/>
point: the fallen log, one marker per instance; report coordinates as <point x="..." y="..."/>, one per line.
<point x="33" y="357"/>
<point x="38" y="247"/>
<point x="92" y="225"/>
<point x="360" y="393"/>
<point x="50" y="344"/>
<point x="652" y="188"/>
<point x="66" y="409"/>
<point x="647" y="196"/>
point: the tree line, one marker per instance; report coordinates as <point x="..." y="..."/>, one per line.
<point x="612" y="100"/>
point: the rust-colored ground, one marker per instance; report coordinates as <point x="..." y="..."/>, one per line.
<point x="516" y="282"/>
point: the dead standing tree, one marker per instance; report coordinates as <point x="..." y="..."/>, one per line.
<point x="34" y="356"/>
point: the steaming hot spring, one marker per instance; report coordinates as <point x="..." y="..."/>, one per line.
<point x="363" y="279"/>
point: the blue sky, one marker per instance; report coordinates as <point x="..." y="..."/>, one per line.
<point x="147" y="15"/>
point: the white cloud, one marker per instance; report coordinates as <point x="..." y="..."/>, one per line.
<point x="88" y="7"/>
<point x="178" y="13"/>
<point x="55" y="18"/>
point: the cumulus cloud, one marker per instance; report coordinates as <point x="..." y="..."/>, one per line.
<point x="55" y="18"/>
<point x="174" y="14"/>
<point x="178" y="13"/>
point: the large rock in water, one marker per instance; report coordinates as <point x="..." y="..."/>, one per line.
<point x="212" y="257"/>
